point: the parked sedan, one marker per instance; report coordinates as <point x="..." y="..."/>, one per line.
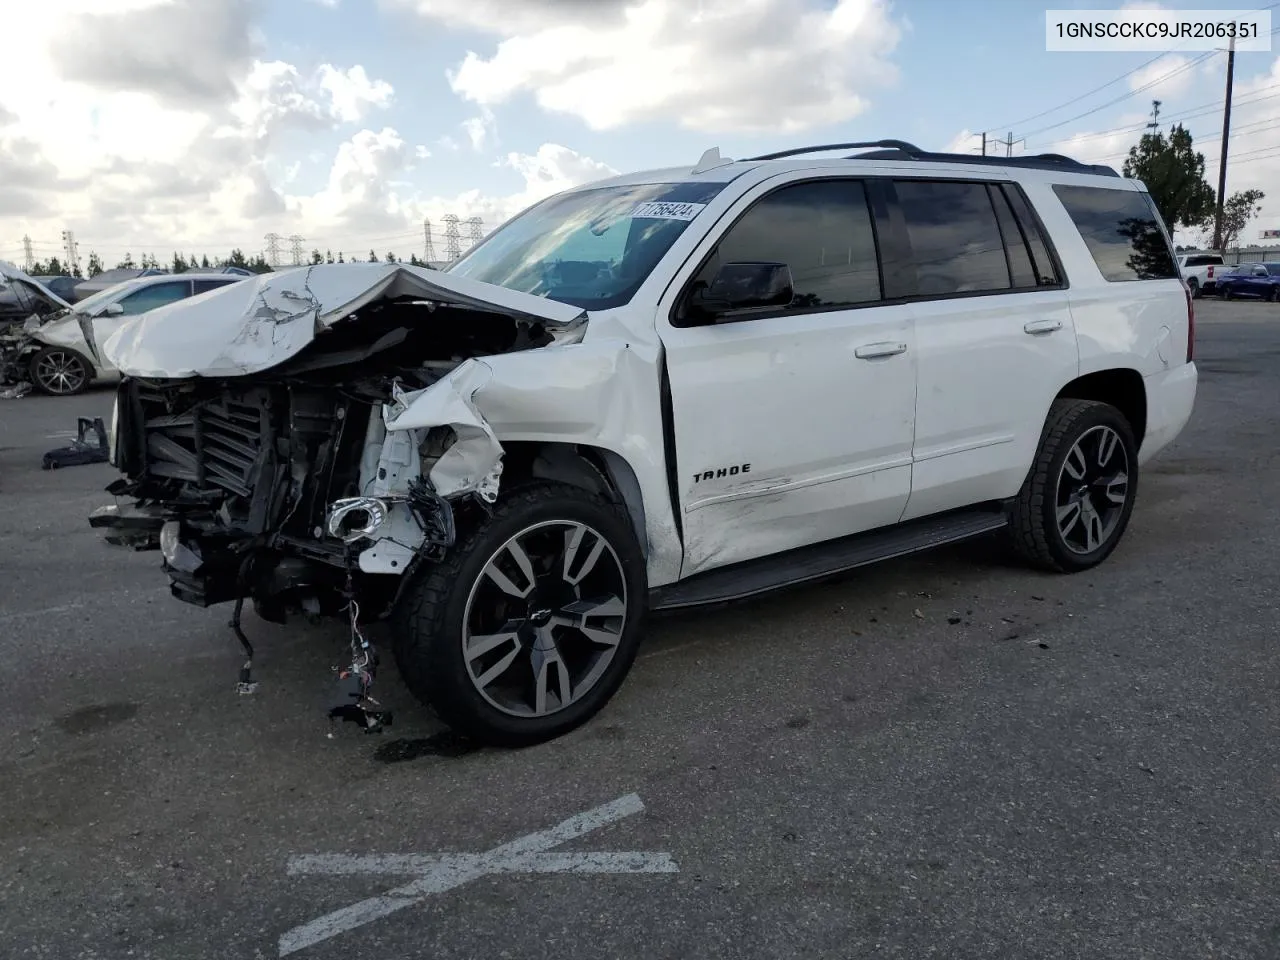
<point x="64" y="352"/>
<point x="1260" y="280"/>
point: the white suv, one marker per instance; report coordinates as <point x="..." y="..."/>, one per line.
<point x="667" y="389"/>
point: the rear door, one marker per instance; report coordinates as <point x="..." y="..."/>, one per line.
<point x="994" y="337"/>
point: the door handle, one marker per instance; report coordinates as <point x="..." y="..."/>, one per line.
<point x="1042" y="326"/>
<point x="871" y="351"/>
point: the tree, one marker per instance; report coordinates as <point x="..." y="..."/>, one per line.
<point x="316" y="257"/>
<point x="1173" y="172"/>
<point x="179" y="264"/>
<point x="414" y="261"/>
<point x="191" y="262"/>
<point x="95" y="264"/>
<point x="328" y="256"/>
<point x="340" y="260"/>
<point x="204" y="262"/>
<point x="391" y="258"/>
<point x="1238" y="209"/>
<point x="259" y="264"/>
<point x="149" y="261"/>
<point x="373" y="257"/>
<point x="127" y="263"/>
<point x="237" y="259"/>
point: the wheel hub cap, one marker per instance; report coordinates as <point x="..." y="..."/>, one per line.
<point x="1094" y="490"/>
<point x="544" y="619"/>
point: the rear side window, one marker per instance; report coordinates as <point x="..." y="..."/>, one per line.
<point x="1203" y="261"/>
<point x="955" y="237"/>
<point x="822" y="231"/>
<point x="1122" y="231"/>
<point x="203" y="286"/>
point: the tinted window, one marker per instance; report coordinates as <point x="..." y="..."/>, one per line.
<point x="156" y="295"/>
<point x="821" y="230"/>
<point x="955" y="237"/>
<point x="204" y="286"/>
<point x="1046" y="268"/>
<point x="1273" y="269"/>
<point x="1203" y="261"/>
<point x="1122" y="231"/>
<point x="1021" y="269"/>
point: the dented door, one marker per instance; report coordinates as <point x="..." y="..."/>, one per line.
<point x="793" y="427"/>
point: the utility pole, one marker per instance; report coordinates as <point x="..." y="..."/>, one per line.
<point x="984" y="143"/>
<point x="72" y="251"/>
<point x="28" y="255"/>
<point x="273" y="249"/>
<point x="295" y="248"/>
<point x="429" y="247"/>
<point x="1222" y="161"/>
<point x="1007" y="144"/>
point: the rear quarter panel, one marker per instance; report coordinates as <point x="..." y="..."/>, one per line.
<point x="1139" y="325"/>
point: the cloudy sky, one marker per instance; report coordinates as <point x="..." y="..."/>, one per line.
<point x="199" y="125"/>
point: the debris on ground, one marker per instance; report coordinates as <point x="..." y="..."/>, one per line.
<point x="15" y="392"/>
<point x="89" y="446"/>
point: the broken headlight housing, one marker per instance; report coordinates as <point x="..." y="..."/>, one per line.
<point x="355" y="518"/>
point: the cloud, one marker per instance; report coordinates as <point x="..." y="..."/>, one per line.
<point x="481" y="130"/>
<point x="1168" y="78"/>
<point x="776" y="66"/>
<point x="182" y="52"/>
<point x="352" y="93"/>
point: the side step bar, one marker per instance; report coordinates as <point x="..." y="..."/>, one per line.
<point x="742" y="580"/>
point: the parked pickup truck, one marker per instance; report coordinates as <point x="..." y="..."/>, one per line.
<point x="1201" y="271"/>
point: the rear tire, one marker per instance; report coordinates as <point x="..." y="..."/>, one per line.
<point x="1194" y="284"/>
<point x="1078" y="497"/>
<point x="547" y="597"/>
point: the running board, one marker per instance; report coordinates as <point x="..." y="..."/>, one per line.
<point x="751" y="577"/>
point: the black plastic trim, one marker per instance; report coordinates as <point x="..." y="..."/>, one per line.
<point x="817" y="561"/>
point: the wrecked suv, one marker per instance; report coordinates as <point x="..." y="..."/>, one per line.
<point x="663" y="390"/>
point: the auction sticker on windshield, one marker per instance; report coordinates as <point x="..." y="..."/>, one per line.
<point x="658" y="210"/>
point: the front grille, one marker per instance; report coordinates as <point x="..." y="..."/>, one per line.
<point x="216" y="443"/>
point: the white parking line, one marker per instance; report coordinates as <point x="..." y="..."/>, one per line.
<point x="438" y="873"/>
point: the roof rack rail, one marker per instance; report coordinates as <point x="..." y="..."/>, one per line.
<point x="901" y="150"/>
<point x="823" y="148"/>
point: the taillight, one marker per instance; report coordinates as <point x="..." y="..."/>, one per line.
<point x="1210" y="273"/>
<point x="1191" y="323"/>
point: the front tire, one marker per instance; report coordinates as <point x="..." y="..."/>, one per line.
<point x="60" y="372"/>
<point x="531" y="623"/>
<point x="1077" y="499"/>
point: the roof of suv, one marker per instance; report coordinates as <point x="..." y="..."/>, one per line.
<point x="712" y="168"/>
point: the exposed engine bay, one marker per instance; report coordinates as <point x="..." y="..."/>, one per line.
<point x="296" y="488"/>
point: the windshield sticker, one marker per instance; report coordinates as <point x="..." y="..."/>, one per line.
<point x="658" y="210"/>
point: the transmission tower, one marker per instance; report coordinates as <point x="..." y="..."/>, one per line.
<point x="72" y="251"/>
<point x="295" y="247"/>
<point x="475" y="230"/>
<point x="273" y="249"/>
<point x="452" y="242"/>
<point x="28" y="255"/>
<point x="428" y="246"/>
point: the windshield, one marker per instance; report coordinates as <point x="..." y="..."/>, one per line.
<point x="99" y="299"/>
<point x="590" y="248"/>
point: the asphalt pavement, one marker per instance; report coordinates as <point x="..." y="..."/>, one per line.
<point x="943" y="756"/>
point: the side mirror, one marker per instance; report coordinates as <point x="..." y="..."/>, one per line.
<point x="113" y="310"/>
<point x="746" y="286"/>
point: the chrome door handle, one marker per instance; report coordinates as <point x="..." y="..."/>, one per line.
<point x="1042" y="326"/>
<point x="871" y="351"/>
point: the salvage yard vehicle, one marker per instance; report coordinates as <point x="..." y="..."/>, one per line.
<point x="666" y="389"/>
<point x="61" y="352"/>
<point x="1261" y="280"/>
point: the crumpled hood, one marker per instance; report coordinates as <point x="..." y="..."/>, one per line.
<point x="10" y="272"/>
<point x="261" y="322"/>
